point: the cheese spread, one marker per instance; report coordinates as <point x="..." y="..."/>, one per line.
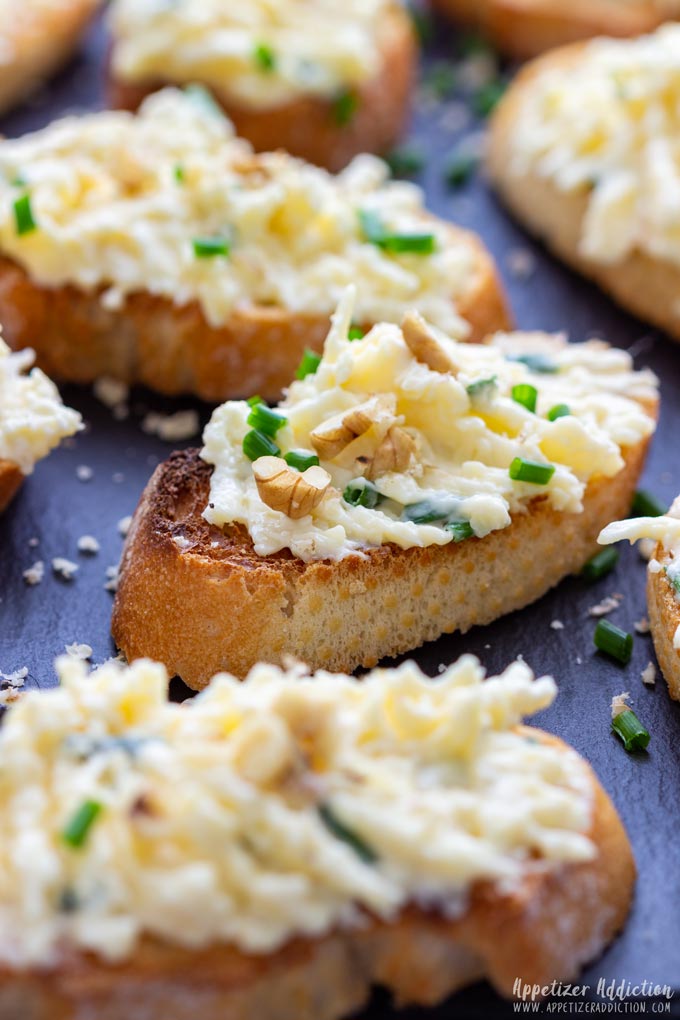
<point x="463" y="429"/>
<point x="170" y="203"/>
<point x="279" y="806"/>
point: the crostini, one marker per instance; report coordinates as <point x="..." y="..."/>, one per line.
<point x="33" y="419"/>
<point x="273" y="848"/>
<point x="600" y="189"/>
<point x="36" y="38"/>
<point x="407" y="486"/>
<point x="159" y="249"/>
<point x="663" y="584"/>
<point x="324" y="80"/>
<point x="527" y="28"/>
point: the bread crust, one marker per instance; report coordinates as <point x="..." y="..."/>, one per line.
<point x="10" y="482"/>
<point x="306" y="126"/>
<point x="546" y="928"/>
<point x="646" y="286"/>
<point x="173" y="349"/>
<point x="527" y="28"/>
<point x="38" y="41"/>
<point x="200" y="600"/>
<point x="664" y="620"/>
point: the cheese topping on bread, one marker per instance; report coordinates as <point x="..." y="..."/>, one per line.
<point x="608" y="126"/>
<point x="261" y="53"/>
<point x="33" y="419"/>
<point x="279" y="806"/>
<point x="171" y="203"/>
<point x="419" y="455"/>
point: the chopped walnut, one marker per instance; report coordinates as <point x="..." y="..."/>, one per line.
<point x="331" y="438"/>
<point x="288" y="491"/>
<point x="424" y="345"/>
<point x="393" y="454"/>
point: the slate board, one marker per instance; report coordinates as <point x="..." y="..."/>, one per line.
<point x="57" y="508"/>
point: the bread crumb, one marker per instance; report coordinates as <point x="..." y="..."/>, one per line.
<point x="15" y="679"/>
<point x="521" y="263"/>
<point x="172" y="427"/>
<point x="620" y="703"/>
<point x="557" y="625"/>
<point x="606" y="606"/>
<point x="66" y="569"/>
<point x="33" y="543"/>
<point x="34" y="574"/>
<point x="649" y="674"/>
<point x="642" y="626"/>
<point x="646" y="547"/>
<point x="111" y="579"/>
<point x="124" y="525"/>
<point x="88" y="544"/>
<point x="111" y="392"/>
<point x="84" y="473"/>
<point x="78" y="651"/>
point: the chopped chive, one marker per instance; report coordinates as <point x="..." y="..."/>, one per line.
<point x="254" y="401"/>
<point x="425" y="512"/>
<point x="81" y="822"/>
<point x="203" y="98"/>
<point x="533" y="471"/>
<point x="646" y="504"/>
<point x="406" y="161"/>
<point x="23" y="215"/>
<point x="422" y="22"/>
<point x="613" y="641"/>
<point x="265" y="58"/>
<point x="441" y="79"/>
<point x="263" y="419"/>
<point x="460" y="168"/>
<point x="460" y="530"/>
<point x="526" y="395"/>
<point x="300" y="459"/>
<point x="345" y="105"/>
<point x="558" y="411"/>
<point x="309" y="364"/>
<point x="628" y="727"/>
<point x="481" y="387"/>
<point x="355" y="333"/>
<point x="673" y="580"/>
<point x="536" y="363"/>
<point x="259" y="444"/>
<point x="342" y="832"/>
<point x="486" y="99"/>
<point x="179" y="173"/>
<point x="375" y="232"/>
<point x="474" y="45"/>
<point x="19" y="182"/>
<point x="601" y="564"/>
<point x="210" y="247"/>
<point x="361" y="492"/>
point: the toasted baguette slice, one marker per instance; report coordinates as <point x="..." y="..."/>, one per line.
<point x="309" y="126"/>
<point x="664" y="620"/>
<point x="545" y="929"/>
<point x="199" y="599"/>
<point x="527" y="28"/>
<point x="37" y="38"/>
<point x="10" y="482"/>
<point x="643" y="285"/>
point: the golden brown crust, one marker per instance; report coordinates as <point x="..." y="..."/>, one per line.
<point x="38" y="39"/>
<point x="173" y="349"/>
<point x="645" y="286"/>
<point x="527" y="28"/>
<point x="664" y="620"/>
<point x="307" y="127"/>
<point x="200" y="600"/>
<point x="545" y="929"/>
<point x="10" y="482"/>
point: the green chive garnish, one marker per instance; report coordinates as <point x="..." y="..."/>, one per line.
<point x="486" y="99"/>
<point x="355" y="333"/>
<point x="558" y="411"/>
<point x="263" y="419"/>
<point x="460" y="530"/>
<point x="533" y="471"/>
<point x="536" y="363"/>
<point x="422" y="22"/>
<point x="526" y="395"/>
<point x="441" y="79"/>
<point x="341" y="832"/>
<point x="179" y="173"/>
<point x="481" y="387"/>
<point x="264" y="57"/>
<point x="673" y="580"/>
<point x="613" y="641"/>
<point x="376" y="233"/>
<point x="345" y="105"/>
<point x="427" y="512"/>
<point x="309" y="364"/>
<point x="78" y="827"/>
<point x="406" y="161"/>
<point x="300" y="459"/>
<point x="474" y="45"/>
<point x="601" y="564"/>
<point x="361" y="492"/>
<point x="23" y="216"/>
<point x="259" y="444"/>
<point x="628" y="727"/>
<point x="646" y="504"/>
<point x="460" y="168"/>
<point x="210" y="247"/>
<point x="254" y="401"/>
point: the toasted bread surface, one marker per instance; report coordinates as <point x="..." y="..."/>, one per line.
<point x="173" y="349"/>
<point x="664" y="620"/>
<point x="545" y="929"/>
<point x="308" y="126"/>
<point x="36" y="41"/>
<point x="10" y="482"/>
<point x="644" y="285"/>
<point x="200" y="600"/>
<point x="527" y="28"/>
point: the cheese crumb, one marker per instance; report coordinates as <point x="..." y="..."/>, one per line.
<point x="620" y="703"/>
<point x="66" y="569"/>
<point x="79" y="651"/>
<point x="34" y="574"/>
<point x="111" y="392"/>
<point x="649" y="674"/>
<point x="84" y="473"/>
<point x="646" y="547"/>
<point x="88" y="544"/>
<point x="15" y="679"/>
<point x="642" y="626"/>
<point x="124" y="525"/>
<point x="521" y="263"/>
<point x="557" y="625"/>
<point x="111" y="579"/>
<point x="606" y="606"/>
<point x="654" y="567"/>
<point x="172" y="427"/>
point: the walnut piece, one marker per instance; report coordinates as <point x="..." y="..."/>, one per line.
<point x="424" y="345"/>
<point x="393" y="454"/>
<point x="292" y="493"/>
<point x="334" y="435"/>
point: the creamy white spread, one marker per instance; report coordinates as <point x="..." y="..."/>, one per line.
<point x="466" y="435"/>
<point x="119" y="201"/>
<point x="279" y="806"/>
<point x="33" y="418"/>
<point x="608" y="127"/>
<point x="261" y="53"/>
